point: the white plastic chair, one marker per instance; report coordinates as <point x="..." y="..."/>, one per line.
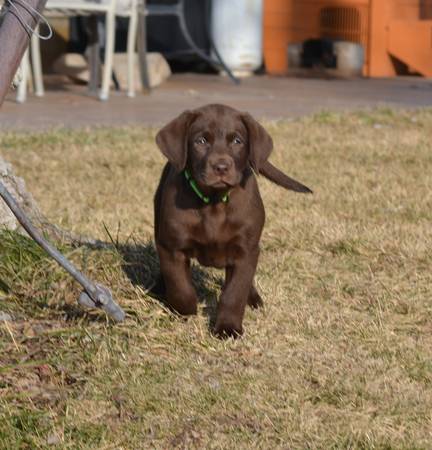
<point x="111" y="9"/>
<point x="25" y="71"/>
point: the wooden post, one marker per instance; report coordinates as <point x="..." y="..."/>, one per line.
<point x="15" y="38"/>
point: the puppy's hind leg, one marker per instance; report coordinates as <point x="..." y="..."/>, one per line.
<point x="254" y="300"/>
<point x="159" y="289"/>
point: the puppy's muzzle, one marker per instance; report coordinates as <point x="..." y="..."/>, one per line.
<point x="221" y="167"/>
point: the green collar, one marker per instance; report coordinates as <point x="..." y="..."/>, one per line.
<point x="195" y="188"/>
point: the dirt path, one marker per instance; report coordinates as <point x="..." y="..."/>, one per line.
<point x="263" y="96"/>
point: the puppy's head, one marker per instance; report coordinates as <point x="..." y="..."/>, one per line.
<point x="216" y="144"/>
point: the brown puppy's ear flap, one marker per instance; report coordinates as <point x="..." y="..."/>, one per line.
<point x="172" y="139"/>
<point x="260" y="142"/>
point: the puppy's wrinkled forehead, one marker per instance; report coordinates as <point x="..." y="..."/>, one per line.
<point x="217" y="122"/>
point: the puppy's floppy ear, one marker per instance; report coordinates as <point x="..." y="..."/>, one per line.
<point x="260" y="142"/>
<point x="172" y="139"/>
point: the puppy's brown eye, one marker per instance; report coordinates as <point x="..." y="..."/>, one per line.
<point x="201" y="140"/>
<point x="237" y="140"/>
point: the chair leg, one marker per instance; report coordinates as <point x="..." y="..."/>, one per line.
<point x="131" y="45"/>
<point x="109" y="54"/>
<point x="37" y="65"/>
<point x="142" y="48"/>
<point x="22" y="87"/>
<point x="93" y="52"/>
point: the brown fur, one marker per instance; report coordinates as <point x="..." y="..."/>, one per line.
<point x="221" y="148"/>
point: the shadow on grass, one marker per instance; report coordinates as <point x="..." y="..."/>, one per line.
<point x="141" y="265"/>
<point x="74" y="312"/>
<point x="33" y="285"/>
<point x="20" y="257"/>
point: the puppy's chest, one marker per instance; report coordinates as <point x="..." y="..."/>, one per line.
<point x="216" y="240"/>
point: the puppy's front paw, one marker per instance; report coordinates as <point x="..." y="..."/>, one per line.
<point x="227" y="329"/>
<point x="184" y="307"/>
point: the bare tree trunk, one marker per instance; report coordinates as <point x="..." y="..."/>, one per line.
<point x="14" y="38"/>
<point x="17" y="188"/>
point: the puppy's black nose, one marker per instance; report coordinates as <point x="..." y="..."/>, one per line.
<point x="221" y="167"/>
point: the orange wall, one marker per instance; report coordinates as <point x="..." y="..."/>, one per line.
<point x="287" y="21"/>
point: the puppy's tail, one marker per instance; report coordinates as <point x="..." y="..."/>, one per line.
<point x="278" y="177"/>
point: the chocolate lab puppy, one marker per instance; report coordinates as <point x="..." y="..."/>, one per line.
<point x="208" y="207"/>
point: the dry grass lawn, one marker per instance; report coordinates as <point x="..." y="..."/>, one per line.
<point x="340" y="358"/>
